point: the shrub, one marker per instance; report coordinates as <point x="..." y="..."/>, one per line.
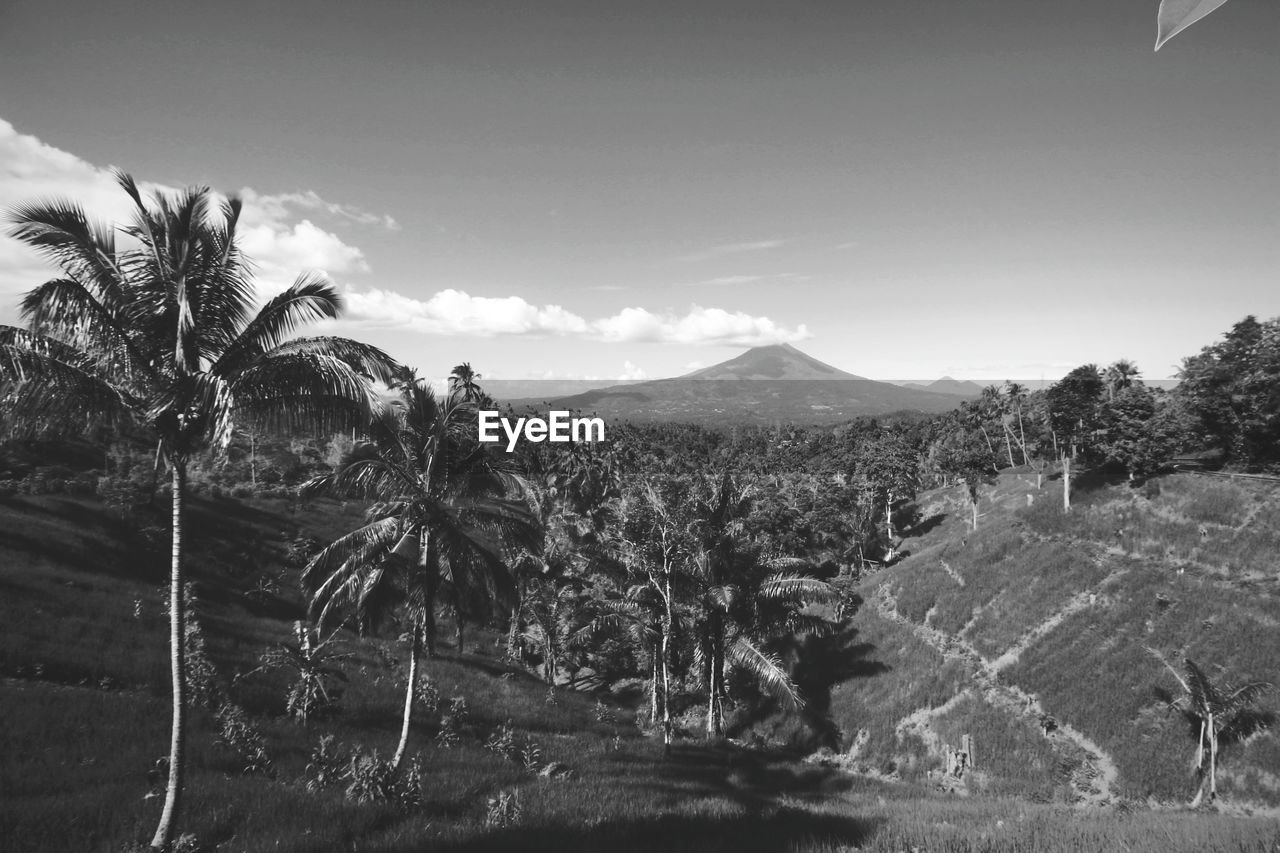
<point x="371" y="780"/>
<point x="239" y="734"/>
<point x="325" y="770"/>
<point x="504" y="810"/>
<point x="503" y="742"/>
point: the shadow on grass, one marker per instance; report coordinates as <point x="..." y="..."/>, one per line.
<point x="753" y="779"/>
<point x="781" y="830"/>
<point x="818" y="664"/>
<point x="924" y="526"/>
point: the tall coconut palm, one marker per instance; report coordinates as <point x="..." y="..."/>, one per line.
<point x="1016" y="395"/>
<point x="741" y="602"/>
<point x="1221" y="713"/>
<point x="445" y="505"/>
<point x="164" y="333"/>
<point x="464" y="380"/>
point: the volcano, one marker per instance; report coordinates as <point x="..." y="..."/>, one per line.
<point x="765" y="384"/>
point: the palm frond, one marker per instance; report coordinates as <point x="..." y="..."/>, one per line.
<point x="60" y="231"/>
<point x="367" y="359"/>
<point x="46" y="395"/>
<point x="345" y="573"/>
<point x="1246" y="723"/>
<point x="1245" y="694"/>
<point x="766" y="670"/>
<point x="65" y="309"/>
<point x="1204" y="695"/>
<point x="310" y="298"/>
<point x="303" y="392"/>
<point x="795" y="588"/>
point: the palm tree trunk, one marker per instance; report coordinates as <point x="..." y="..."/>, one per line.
<point x="177" y="671"/>
<point x="513" y="632"/>
<point x="653" y="692"/>
<point x="459" y="622"/>
<point x="1213" y="761"/>
<point x="1022" y="438"/>
<point x="666" y="696"/>
<point x="667" y="623"/>
<point x="415" y="651"/>
<point x="1066" y="483"/>
<point x="711" y="700"/>
<point x="715" y="679"/>
<point x="888" y="526"/>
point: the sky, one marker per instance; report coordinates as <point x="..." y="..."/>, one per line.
<point x="986" y="189"/>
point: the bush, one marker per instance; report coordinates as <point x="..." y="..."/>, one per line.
<point x="238" y="734"/>
<point x="371" y="780"/>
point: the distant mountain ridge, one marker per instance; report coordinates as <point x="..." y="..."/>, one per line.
<point x="776" y="361"/>
<point x="765" y="384"/>
<point x="947" y="385"/>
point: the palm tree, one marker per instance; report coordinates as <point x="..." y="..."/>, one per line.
<point x="445" y="502"/>
<point x="1120" y="375"/>
<point x="1220" y="711"/>
<point x="164" y="334"/>
<point x="465" y="381"/>
<point x="1016" y="394"/>
<point x="655" y="546"/>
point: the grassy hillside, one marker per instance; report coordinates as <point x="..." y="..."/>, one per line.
<point x="1030" y="636"/>
<point x="84" y="697"/>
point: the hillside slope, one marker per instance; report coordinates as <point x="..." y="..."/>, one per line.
<point x="1029" y="635"/>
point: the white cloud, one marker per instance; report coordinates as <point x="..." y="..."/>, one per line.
<point x="278" y="207"/>
<point x="732" y="249"/>
<point x="280" y="243"/>
<point x="455" y="312"/>
<point x="697" y="326"/>
<point x="732" y="280"/>
<point x="632" y="371"/>
<point x="281" y="250"/>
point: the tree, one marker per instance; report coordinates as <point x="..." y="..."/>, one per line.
<point x="1221" y="713"/>
<point x="963" y="455"/>
<point x="1143" y="429"/>
<point x="656" y="546"/>
<point x="445" y="503"/>
<point x="163" y="334"/>
<point x="465" y="381"/>
<point x="1120" y="375"/>
<point x="1015" y="396"/>
<point x="890" y="467"/>
<point x="1073" y="409"/>
<point x="1233" y="386"/>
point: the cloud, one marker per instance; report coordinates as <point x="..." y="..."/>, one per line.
<point x="631" y="371"/>
<point x="455" y="312"/>
<point x="734" y="280"/>
<point x="732" y="249"/>
<point x="698" y="326"/>
<point x="278" y="207"/>
<point x="281" y="243"/>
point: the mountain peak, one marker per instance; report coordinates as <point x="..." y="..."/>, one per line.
<point x="771" y="361"/>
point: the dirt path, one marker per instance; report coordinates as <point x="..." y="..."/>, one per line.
<point x="1078" y="602"/>
<point x="1093" y="781"/>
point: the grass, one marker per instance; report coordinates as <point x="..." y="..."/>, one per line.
<point x="1188" y="568"/>
<point x="85" y="701"/>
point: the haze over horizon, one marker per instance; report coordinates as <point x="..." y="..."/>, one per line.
<point x="991" y="190"/>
